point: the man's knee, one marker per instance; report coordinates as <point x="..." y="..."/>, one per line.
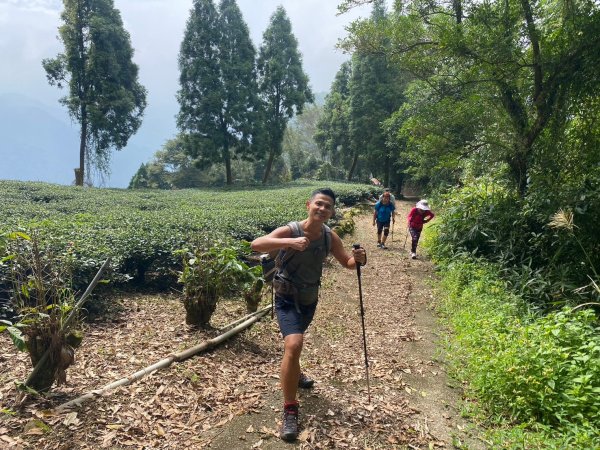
<point x="293" y="345"/>
<point x="386" y="231"/>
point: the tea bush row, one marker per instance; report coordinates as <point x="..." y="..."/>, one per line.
<point x="141" y="229"/>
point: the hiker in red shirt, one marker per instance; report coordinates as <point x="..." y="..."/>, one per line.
<point x="419" y="215"/>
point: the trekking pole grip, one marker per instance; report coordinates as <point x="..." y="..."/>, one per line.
<point x="356" y="247"/>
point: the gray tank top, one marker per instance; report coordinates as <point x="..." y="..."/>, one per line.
<point x="304" y="269"/>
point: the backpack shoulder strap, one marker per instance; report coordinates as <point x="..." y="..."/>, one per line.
<point x="296" y="229"/>
<point x="327" y="237"/>
<point x="284" y="256"/>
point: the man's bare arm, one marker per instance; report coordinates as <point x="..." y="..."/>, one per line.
<point x="278" y="239"/>
<point x="346" y="259"/>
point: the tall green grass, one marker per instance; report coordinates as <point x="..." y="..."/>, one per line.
<point x="535" y="378"/>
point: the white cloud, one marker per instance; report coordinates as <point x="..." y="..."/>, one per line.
<point x="44" y="6"/>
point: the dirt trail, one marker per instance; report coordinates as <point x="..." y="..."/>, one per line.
<point x="230" y="399"/>
<point x="413" y="404"/>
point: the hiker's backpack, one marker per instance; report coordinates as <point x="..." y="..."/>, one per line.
<point x="274" y="262"/>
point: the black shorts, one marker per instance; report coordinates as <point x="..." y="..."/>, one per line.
<point x="382" y="225"/>
<point x="288" y="318"/>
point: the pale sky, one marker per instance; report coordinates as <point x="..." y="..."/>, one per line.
<point x="28" y="30"/>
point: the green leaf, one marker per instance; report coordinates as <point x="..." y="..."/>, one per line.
<point x="17" y="338"/>
<point x="18" y="234"/>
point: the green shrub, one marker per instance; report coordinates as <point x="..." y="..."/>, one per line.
<point x="541" y="371"/>
<point x="40" y="290"/>
<point x="212" y="271"/>
<point x="480" y="219"/>
<point x="543" y="264"/>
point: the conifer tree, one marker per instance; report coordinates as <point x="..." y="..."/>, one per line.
<point x="332" y="134"/>
<point x="376" y="91"/>
<point x="217" y="98"/>
<point x="104" y="97"/>
<point x="283" y="85"/>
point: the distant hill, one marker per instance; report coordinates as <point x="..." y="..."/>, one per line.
<point x="39" y="143"/>
<point x="36" y="143"/>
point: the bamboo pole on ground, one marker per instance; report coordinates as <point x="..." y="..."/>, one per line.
<point x="69" y="319"/>
<point x="235" y="322"/>
<point x="166" y="362"/>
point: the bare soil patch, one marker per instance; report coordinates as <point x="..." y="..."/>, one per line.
<point x="229" y="398"/>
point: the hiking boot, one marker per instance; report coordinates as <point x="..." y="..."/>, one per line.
<point x="378" y="244"/>
<point x="289" y="425"/>
<point x="383" y="247"/>
<point x="305" y="382"/>
<point x="413" y="255"/>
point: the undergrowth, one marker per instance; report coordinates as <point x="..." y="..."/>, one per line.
<point x="534" y="379"/>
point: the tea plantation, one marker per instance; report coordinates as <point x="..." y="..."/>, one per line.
<point x="142" y="229"/>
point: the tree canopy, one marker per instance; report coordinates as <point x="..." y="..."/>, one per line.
<point x="218" y="102"/>
<point x="283" y="85"/>
<point x="517" y="65"/>
<point x="105" y="96"/>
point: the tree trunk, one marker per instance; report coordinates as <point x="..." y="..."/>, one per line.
<point x="199" y="310"/>
<point x="78" y="177"/>
<point x="82" y="90"/>
<point x="44" y="378"/>
<point x="518" y="168"/>
<point x="269" y="166"/>
<point x="227" y="158"/>
<point x="458" y="11"/>
<point x="388" y="171"/>
<point x="276" y="142"/>
<point x="82" y="146"/>
<point x="399" y="183"/>
<point x="353" y="166"/>
<point x="253" y="296"/>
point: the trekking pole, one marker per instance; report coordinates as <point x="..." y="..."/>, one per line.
<point x="405" y="239"/>
<point x="362" y="316"/>
<point x="393" y="223"/>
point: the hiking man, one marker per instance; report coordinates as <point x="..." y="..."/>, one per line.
<point x="392" y="198"/>
<point x="384" y="212"/>
<point x="297" y="289"/>
<point x="418" y="216"/>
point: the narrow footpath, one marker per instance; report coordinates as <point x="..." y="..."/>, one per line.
<point x="413" y="402"/>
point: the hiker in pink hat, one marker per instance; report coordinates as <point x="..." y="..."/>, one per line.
<point x="417" y="217"/>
